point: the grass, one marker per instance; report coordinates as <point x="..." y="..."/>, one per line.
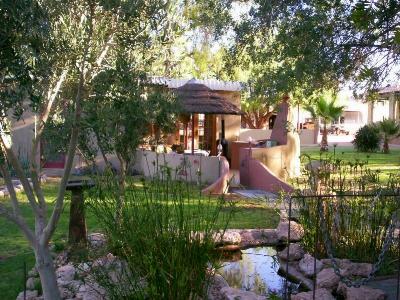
<point x="15" y="250"/>
<point x="386" y="163"/>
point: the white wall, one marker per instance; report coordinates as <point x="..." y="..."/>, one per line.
<point x="184" y="167"/>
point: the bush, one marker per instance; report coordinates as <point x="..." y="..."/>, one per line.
<point x="164" y="233"/>
<point x="367" y="139"/>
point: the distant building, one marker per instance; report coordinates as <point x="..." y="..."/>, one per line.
<point x="387" y="106"/>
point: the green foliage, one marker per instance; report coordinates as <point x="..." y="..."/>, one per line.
<point x="327" y="109"/>
<point x="163" y="233"/>
<point x="389" y="129"/>
<point x="24" y="35"/>
<point x="356" y="215"/>
<point x="344" y="46"/>
<point x="367" y="139"/>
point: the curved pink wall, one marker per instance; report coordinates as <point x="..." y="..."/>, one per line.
<point x="221" y="185"/>
<point x="254" y="174"/>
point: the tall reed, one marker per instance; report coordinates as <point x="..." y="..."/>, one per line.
<point x="165" y="234"/>
<point x="335" y="193"/>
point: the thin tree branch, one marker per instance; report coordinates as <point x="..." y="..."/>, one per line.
<point x="12" y="159"/>
<point x="17" y="220"/>
<point x="13" y="196"/>
<point x="55" y="216"/>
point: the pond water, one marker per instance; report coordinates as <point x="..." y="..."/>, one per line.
<point x="256" y="271"/>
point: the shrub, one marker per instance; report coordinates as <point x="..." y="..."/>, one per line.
<point x="164" y="234"/>
<point x="367" y="139"/>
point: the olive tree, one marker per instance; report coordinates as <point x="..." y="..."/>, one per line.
<point x="47" y="46"/>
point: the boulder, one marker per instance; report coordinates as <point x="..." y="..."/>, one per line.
<point x="296" y="231"/>
<point x="91" y="292"/>
<point x="66" y="293"/>
<point x="327" y="279"/>
<point x="258" y="237"/>
<point x="306" y="265"/>
<point x="360" y="269"/>
<point x="217" y="282"/>
<point x="296" y="252"/>
<point x="355" y="269"/>
<point x="229" y="237"/>
<point x="360" y="293"/>
<point x="30" y="295"/>
<point x="96" y="240"/>
<point x="292" y="270"/>
<point x="229" y="293"/>
<point x="65" y="273"/>
<point x="320" y="294"/>
<point x="228" y="248"/>
<point x="32" y="283"/>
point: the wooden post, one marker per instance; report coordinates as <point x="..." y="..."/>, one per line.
<point x="77" y="222"/>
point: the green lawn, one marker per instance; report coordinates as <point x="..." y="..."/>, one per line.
<point x="15" y="251"/>
<point x="387" y="163"/>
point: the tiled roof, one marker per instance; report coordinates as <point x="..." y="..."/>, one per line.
<point x="213" y="84"/>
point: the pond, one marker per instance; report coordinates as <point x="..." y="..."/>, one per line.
<point x="256" y="271"/>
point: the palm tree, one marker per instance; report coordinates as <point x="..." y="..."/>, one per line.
<point x="327" y="110"/>
<point x="389" y="129"/>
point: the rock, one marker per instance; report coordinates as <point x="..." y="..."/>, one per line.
<point x="30" y="295"/>
<point x="360" y="269"/>
<point x="228" y="248"/>
<point x="97" y="241"/>
<point x="91" y="292"/>
<point x="296" y="252"/>
<point x="66" y="293"/>
<point x="361" y="293"/>
<point x="83" y="269"/>
<point x="296" y="231"/>
<point x="62" y="258"/>
<point x="306" y="265"/>
<point x="229" y="237"/>
<point x="258" y="237"/>
<point x="294" y="274"/>
<point x="355" y="269"/>
<point x="327" y="279"/>
<point x="32" y="283"/>
<point x="65" y="273"/>
<point x="217" y="282"/>
<point x="320" y="294"/>
<point x="229" y="293"/>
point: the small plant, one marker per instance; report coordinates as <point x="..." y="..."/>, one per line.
<point x="367" y="139"/>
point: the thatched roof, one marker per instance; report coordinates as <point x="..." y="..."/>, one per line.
<point x="199" y="99"/>
<point x="389" y="89"/>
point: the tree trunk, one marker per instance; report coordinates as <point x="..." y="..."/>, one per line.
<point x="45" y="267"/>
<point x="316" y="130"/>
<point x="324" y="141"/>
<point x="385" y="146"/>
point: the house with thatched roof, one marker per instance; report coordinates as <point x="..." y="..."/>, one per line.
<point x="211" y="113"/>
